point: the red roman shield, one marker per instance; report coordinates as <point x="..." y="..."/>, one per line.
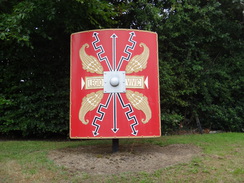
<point x="114" y="84"/>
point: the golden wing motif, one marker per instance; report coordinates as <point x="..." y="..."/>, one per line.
<point x="89" y="102"/>
<point x="89" y="62"/>
<point x="140" y="102"/>
<point x="138" y="62"/>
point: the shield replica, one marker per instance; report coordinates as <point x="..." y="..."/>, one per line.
<point x="114" y="84"/>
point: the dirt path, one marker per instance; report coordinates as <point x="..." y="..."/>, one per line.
<point x="143" y="157"/>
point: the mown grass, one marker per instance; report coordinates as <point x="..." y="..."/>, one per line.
<point x="222" y="160"/>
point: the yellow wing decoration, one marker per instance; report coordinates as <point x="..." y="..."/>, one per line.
<point x="138" y="62"/>
<point x="89" y="62"/>
<point x="89" y="103"/>
<point x="140" y="102"/>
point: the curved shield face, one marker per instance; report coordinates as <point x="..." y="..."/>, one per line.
<point x="114" y="84"/>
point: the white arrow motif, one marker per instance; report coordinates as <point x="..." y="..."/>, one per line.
<point x="146" y="82"/>
<point x="114" y="36"/>
<point x="114" y="129"/>
<point x="126" y="50"/>
<point x="82" y="83"/>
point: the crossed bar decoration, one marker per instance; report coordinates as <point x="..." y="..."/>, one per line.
<point x="92" y="100"/>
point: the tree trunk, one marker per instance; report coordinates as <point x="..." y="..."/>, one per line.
<point x="198" y="124"/>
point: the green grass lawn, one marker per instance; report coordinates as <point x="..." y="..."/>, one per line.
<point x="222" y="160"/>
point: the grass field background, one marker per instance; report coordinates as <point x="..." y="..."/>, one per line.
<point x="222" y="160"/>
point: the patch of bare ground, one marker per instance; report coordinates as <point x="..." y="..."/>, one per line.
<point x="98" y="159"/>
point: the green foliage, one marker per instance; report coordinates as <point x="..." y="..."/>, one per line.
<point x="34" y="58"/>
<point x="202" y="46"/>
<point x="201" y="60"/>
<point x="201" y="53"/>
<point x="171" y="121"/>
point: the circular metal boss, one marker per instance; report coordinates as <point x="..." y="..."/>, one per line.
<point x="114" y="81"/>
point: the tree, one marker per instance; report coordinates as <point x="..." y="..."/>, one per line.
<point x="35" y="61"/>
<point x="200" y="51"/>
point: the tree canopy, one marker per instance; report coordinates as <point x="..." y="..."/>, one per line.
<point x="201" y="53"/>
